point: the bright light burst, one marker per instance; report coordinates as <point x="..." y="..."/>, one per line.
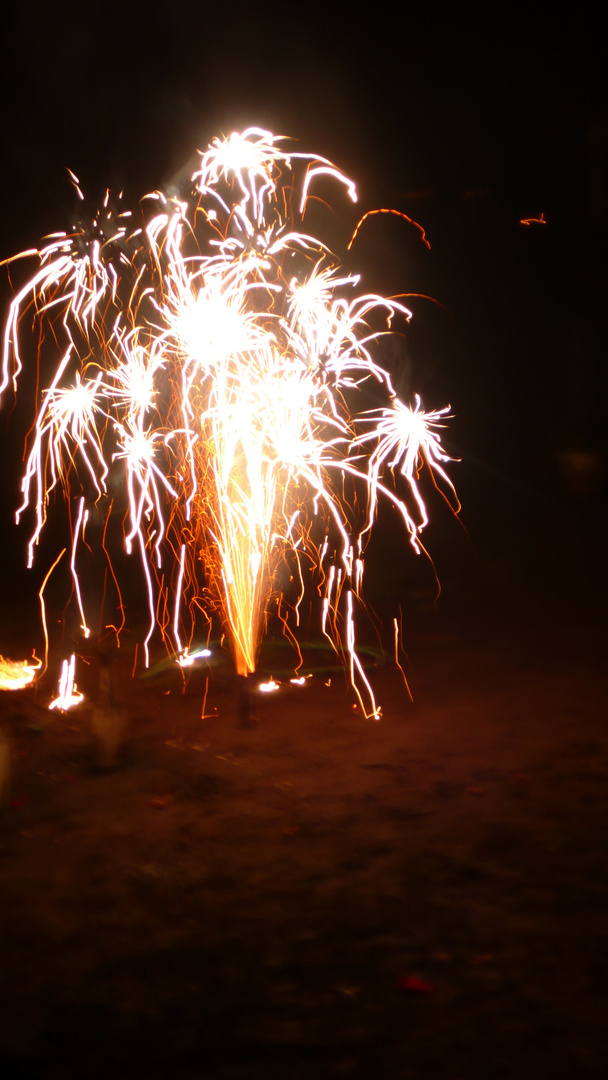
<point x="15" y="674"/>
<point x="68" y="693"/>
<point x="217" y="354"/>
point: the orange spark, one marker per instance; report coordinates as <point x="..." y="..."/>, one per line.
<point x="396" y="213"/>
<point x="533" y="220"/>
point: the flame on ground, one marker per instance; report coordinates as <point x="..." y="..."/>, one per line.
<point x="16" y="674"/>
<point x="68" y="694"/>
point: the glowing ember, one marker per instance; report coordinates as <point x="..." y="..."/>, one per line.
<point x="15" y="674"/>
<point x="268" y="687"/>
<point x="540" y="220"/>
<point x="216" y="356"/>
<point x="69" y="694"/>
<point x="186" y="659"/>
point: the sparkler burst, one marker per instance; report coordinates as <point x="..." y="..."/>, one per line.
<point x="217" y="356"/>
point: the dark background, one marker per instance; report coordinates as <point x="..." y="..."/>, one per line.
<point x="468" y="122"/>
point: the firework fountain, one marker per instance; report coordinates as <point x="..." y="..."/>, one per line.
<point x="217" y="357"/>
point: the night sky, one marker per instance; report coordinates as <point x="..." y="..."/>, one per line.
<point x="467" y="124"/>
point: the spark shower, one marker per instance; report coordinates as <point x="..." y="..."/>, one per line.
<point x="216" y="359"/>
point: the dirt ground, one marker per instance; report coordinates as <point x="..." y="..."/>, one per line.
<point x="320" y="894"/>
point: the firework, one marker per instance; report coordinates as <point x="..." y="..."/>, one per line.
<point x="218" y="359"/>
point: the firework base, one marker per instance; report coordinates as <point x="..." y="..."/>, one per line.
<point x="247" y="710"/>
